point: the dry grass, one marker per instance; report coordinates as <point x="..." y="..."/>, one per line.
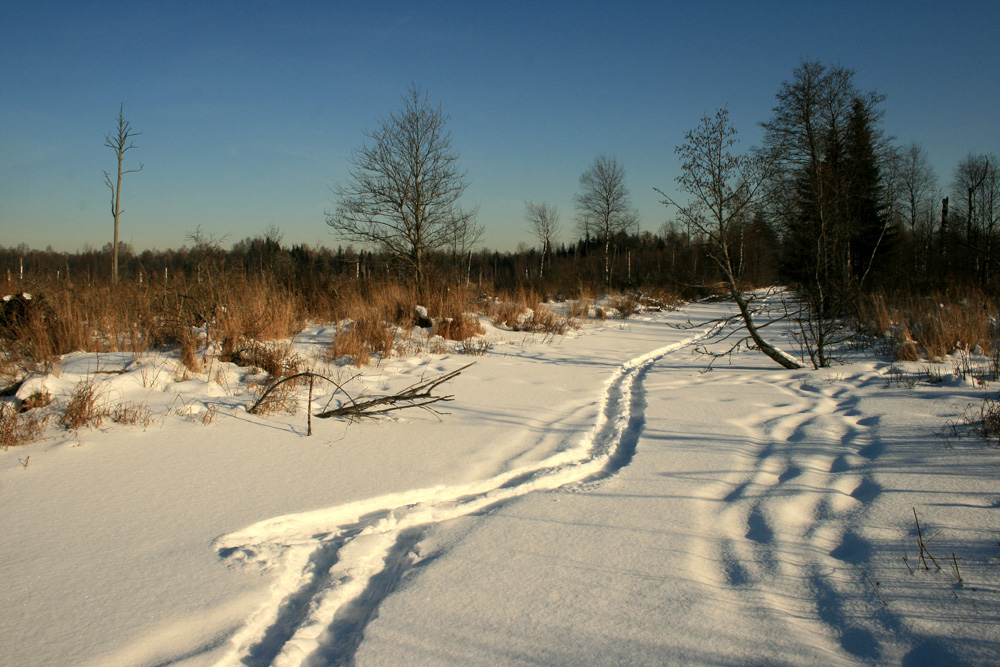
<point x="84" y="407"/>
<point x="36" y="400"/>
<point x="580" y="308"/>
<point x="541" y="319"/>
<point x="507" y="313"/>
<point x="131" y="414"/>
<point x="984" y="420"/>
<point x="450" y="312"/>
<point x="229" y="313"/>
<point x="19" y="428"/>
<point x="360" y="339"/>
<point x="281" y="399"/>
<point x="189" y="352"/>
<point x="459" y="328"/>
<point x="274" y="358"/>
<point x="136" y="317"/>
<point x="208" y="415"/>
<point x="524" y="311"/>
<point x="475" y="347"/>
<point x="933" y="326"/>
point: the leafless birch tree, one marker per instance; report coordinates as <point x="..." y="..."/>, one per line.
<point x="605" y="205"/>
<point x="543" y="220"/>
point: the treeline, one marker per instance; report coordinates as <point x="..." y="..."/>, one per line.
<point x="829" y="204"/>
<point x="670" y="258"/>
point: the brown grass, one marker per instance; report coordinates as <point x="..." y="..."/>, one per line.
<point x="507" y="312"/>
<point x="281" y="399"/>
<point x="19" y="428"/>
<point x="189" y="352"/>
<point x="933" y="326"/>
<point x="543" y="320"/>
<point x="131" y="414"/>
<point x="84" y="407"/>
<point x="360" y="339"/>
<point x="274" y="358"/>
<point x="459" y="328"/>
<point x="37" y="400"/>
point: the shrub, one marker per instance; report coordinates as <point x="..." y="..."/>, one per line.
<point x="627" y="305"/>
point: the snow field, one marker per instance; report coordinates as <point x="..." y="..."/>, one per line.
<point x="595" y="499"/>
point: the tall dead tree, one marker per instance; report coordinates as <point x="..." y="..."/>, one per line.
<point x="120" y="142"/>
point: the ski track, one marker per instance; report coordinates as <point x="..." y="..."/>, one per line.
<point x="337" y="564"/>
<point x="809" y="484"/>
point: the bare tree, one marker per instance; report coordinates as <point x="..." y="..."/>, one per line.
<point x="977" y="186"/>
<point x="604" y="204"/>
<point x="120" y="142"/>
<point x="917" y="186"/>
<point x="723" y="188"/>
<point x="403" y="190"/>
<point x="543" y="220"/>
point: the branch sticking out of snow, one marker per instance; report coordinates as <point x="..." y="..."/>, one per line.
<point x="415" y="396"/>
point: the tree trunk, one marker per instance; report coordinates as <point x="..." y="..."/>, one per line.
<point x="770" y="351"/>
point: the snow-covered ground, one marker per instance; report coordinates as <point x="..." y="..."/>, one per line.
<point x="593" y="499"/>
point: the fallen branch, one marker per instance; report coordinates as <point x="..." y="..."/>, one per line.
<point x="267" y="392"/>
<point x="415" y="396"/>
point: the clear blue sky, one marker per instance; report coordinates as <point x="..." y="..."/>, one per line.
<point x="249" y="110"/>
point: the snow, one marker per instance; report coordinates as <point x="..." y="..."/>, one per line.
<point x="597" y="498"/>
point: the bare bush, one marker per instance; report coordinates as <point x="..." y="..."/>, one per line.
<point x="476" y="347"/>
<point x="627" y="305"/>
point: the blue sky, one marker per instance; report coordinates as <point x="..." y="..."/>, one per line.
<point x="249" y="110"/>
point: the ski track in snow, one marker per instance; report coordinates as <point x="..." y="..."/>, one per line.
<point x="808" y="483"/>
<point x="337" y="564"/>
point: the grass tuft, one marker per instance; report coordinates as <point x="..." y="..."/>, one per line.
<point x="84" y="407"/>
<point x="18" y="429"/>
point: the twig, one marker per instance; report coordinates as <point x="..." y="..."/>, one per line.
<point x="309" y="417"/>
<point x="875" y="586"/>
<point x="923" y="545"/>
<point x="907" y="561"/>
<point x="958" y="575"/>
<point x="24" y="464"/>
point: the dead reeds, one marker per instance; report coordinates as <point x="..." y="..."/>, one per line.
<point x="19" y="428"/>
<point x="933" y="326"/>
